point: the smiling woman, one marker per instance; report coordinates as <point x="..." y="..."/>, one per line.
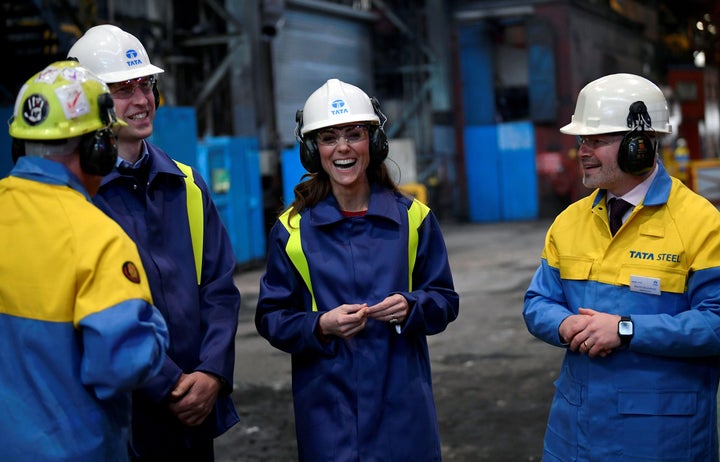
<point x="323" y="301"/>
<point x="346" y="168"/>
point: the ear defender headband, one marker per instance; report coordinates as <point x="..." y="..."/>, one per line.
<point x="636" y="154"/>
<point x="310" y="154"/>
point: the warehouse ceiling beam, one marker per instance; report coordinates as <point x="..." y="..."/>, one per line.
<point x="235" y="41"/>
<point x="333" y="8"/>
<point x="224" y="13"/>
<point x="223" y="39"/>
<point x="215" y="78"/>
<point x="410" y="110"/>
<point x="400" y="25"/>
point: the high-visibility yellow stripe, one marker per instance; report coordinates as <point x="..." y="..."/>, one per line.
<point x="195" y="216"/>
<point x="295" y="251"/>
<point x="416" y="214"/>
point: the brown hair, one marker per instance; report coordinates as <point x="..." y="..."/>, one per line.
<point x="314" y="187"/>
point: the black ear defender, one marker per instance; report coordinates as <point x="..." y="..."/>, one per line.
<point x="378" y="139"/>
<point x="98" y="149"/>
<point x="310" y="154"/>
<point x="17" y="149"/>
<point x="636" y="154"/>
<point x="156" y="94"/>
<point x="98" y="152"/>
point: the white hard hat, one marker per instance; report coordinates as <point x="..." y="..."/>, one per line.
<point x="113" y="54"/>
<point x="603" y="106"/>
<point x="337" y="103"/>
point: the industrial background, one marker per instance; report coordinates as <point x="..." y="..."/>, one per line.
<point x="475" y="91"/>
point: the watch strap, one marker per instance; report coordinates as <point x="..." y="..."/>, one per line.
<point x="625" y="338"/>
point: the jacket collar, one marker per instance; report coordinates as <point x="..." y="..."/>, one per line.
<point x="47" y="171"/>
<point x="382" y="204"/>
<point x="157" y="162"/>
<point x="658" y="193"/>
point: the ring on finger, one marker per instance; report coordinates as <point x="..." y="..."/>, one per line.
<point x="586" y="345"/>
<point x="393" y="320"/>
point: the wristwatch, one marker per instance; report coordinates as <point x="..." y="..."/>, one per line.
<point x="626" y="330"/>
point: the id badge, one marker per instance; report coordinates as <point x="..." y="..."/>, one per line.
<point x="645" y="285"/>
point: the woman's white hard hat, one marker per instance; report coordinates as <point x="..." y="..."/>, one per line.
<point x="337" y="103"/>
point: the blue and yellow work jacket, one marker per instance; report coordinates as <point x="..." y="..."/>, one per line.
<point x="368" y="398"/>
<point x="78" y="330"/>
<point x="655" y="400"/>
<point x="198" y="299"/>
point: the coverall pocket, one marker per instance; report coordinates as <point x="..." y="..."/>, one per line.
<point x="656" y="425"/>
<point x="561" y="434"/>
<point x="669" y="280"/>
<point x="575" y="268"/>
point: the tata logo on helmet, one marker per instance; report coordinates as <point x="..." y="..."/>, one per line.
<point x="131" y="55"/>
<point x="338" y="107"/>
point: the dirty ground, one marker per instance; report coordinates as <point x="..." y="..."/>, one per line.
<point x="492" y="379"/>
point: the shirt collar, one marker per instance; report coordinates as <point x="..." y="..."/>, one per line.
<point x="636" y="195"/>
<point x="123" y="164"/>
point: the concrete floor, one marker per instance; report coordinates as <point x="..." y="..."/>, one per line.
<point x="492" y="379"/>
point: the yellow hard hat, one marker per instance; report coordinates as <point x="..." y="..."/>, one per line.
<point x="64" y="100"/>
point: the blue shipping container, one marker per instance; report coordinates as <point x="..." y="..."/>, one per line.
<point x="501" y="177"/>
<point x="231" y="168"/>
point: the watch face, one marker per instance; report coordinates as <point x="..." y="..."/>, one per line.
<point x="625" y="328"/>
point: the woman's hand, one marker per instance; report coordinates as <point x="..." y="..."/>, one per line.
<point x="345" y="321"/>
<point x="394" y="309"/>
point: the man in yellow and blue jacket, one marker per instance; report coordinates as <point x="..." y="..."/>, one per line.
<point x="78" y="331"/>
<point x="632" y="295"/>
